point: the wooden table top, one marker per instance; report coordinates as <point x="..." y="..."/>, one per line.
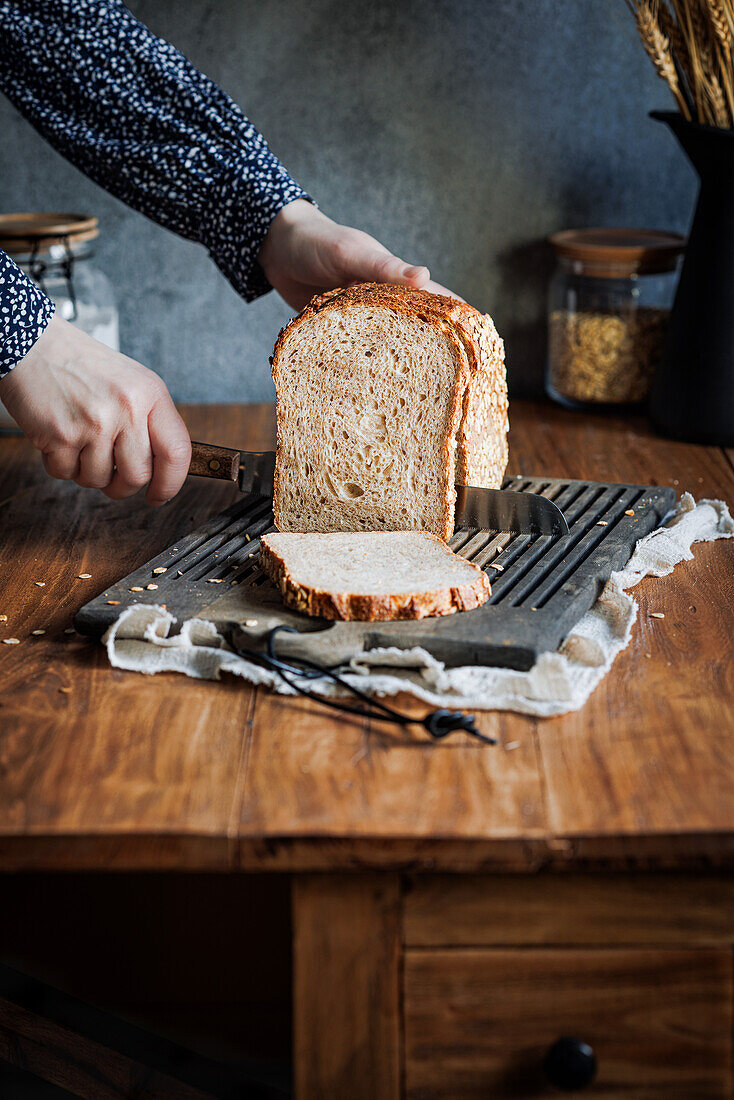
<point x="101" y="768"/>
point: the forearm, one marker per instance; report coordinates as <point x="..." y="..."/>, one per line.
<point x="131" y="112"/>
<point x="24" y="314"/>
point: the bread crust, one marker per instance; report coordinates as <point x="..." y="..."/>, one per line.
<point x="350" y="607"/>
<point x="482" y="441"/>
<point x="479" y="409"/>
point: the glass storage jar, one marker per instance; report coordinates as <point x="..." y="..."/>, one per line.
<point x="609" y="305"/>
<point x="56" y="251"/>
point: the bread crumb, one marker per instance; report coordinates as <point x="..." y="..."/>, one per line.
<point x="151" y="587"/>
<point x="65" y="691"/>
<point x="114" y="602"/>
<point x="70" y="630"/>
<point x="248" y="538"/>
<point x="38" y="632"/>
<point x="657" y="615"/>
<point x="512" y="745"/>
<point x="161" y="569"/>
<point x="251" y="622"/>
<point x="493" y="565"/>
<point x="215" y="580"/>
<point x="84" y="576"/>
<point x="179" y="573"/>
<point x="602" y="523"/>
<point x="630" y="512"/>
<point x="11" y="641"/>
<point x="3" y="618"/>
<point x="648" y="655"/>
<point x="41" y="584"/>
<point x="137" y="588"/>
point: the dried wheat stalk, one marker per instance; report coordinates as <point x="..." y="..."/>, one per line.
<point x="691" y="45"/>
<point x="657" y="47"/>
<point x="720" y="25"/>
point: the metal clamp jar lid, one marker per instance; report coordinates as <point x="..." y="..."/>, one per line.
<point x="609" y="306"/>
<point x="45" y="242"/>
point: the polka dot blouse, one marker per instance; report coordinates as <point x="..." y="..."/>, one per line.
<point x="132" y="113"/>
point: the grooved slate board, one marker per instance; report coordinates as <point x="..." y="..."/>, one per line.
<point x="541" y="585"/>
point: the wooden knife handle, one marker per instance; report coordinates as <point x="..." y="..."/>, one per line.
<point x="210" y="461"/>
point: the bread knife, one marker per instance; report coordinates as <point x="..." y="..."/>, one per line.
<point x="489" y="509"/>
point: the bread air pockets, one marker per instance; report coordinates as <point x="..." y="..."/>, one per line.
<point x="386" y="398"/>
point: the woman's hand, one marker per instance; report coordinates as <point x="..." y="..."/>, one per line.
<point x="306" y="253"/>
<point x="98" y="418"/>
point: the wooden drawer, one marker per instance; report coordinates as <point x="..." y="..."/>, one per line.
<point x="478" y="1023"/>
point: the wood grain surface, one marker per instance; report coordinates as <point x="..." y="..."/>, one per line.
<point x="573" y="909"/>
<point x="478" y="1023"/>
<point x="80" y="1066"/>
<point x="211" y="460"/>
<point x="346" y="964"/>
<point x="103" y="768"/>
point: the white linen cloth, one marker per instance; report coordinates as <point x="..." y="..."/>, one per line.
<point x="140" y="640"/>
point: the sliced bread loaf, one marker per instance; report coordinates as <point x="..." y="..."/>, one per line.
<point x="387" y="397"/>
<point x="371" y="575"/>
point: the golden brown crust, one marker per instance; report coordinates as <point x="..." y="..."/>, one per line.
<point x="350" y="607"/>
<point x="416" y="303"/>
<point x="482" y="439"/>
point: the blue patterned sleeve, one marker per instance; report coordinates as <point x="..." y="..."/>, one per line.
<point x="131" y="112"/>
<point x="24" y="313"/>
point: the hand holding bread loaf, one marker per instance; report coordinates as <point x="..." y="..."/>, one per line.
<point x="306" y="253"/>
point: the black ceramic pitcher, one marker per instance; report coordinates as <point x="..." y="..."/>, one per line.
<point x="693" y="392"/>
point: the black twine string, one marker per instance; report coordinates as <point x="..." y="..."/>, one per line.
<point x="438" y="723"/>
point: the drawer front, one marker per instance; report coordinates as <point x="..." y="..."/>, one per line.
<point x="479" y="1023"/>
<point x="572" y="909"/>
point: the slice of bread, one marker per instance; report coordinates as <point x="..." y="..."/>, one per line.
<point x="371" y="575"/>
<point x="387" y="397"/>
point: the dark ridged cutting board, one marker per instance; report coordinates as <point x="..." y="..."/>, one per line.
<point x="543" y="587"/>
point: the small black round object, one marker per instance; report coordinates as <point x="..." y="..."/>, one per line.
<point x="570" y="1064"/>
<point x="440" y="723"/>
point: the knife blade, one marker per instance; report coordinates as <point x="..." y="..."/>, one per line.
<point x="488" y="509"/>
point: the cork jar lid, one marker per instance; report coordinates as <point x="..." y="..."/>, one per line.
<point x="617" y="252"/>
<point x="21" y="233"/>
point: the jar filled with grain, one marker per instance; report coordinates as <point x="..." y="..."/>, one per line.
<point x="609" y="304"/>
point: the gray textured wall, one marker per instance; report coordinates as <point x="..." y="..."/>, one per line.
<point x="459" y="132"/>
